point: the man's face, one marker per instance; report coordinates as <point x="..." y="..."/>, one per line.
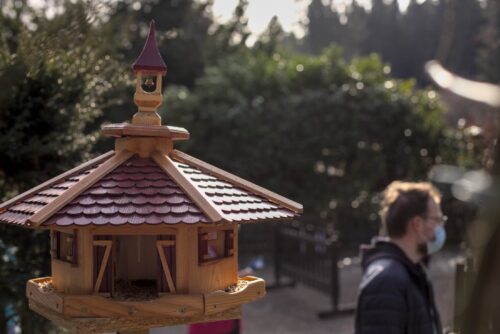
<point x="428" y="222"/>
<point x="432" y="218"/>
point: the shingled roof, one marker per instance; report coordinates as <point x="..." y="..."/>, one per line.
<point x="145" y="180"/>
<point x="141" y="191"/>
<point x="136" y="192"/>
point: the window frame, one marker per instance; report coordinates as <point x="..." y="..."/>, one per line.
<point x="58" y="238"/>
<point x="228" y="235"/>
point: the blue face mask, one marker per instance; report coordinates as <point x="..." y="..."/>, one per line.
<point x="438" y="243"/>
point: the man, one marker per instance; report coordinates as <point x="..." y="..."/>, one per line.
<point x="396" y="296"/>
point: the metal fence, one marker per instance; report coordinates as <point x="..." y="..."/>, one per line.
<point x="309" y="255"/>
<point x="256" y="239"/>
<point x="464" y="275"/>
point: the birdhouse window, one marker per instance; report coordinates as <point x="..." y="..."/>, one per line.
<point x="215" y="244"/>
<point x="64" y="247"/>
<point x="148" y="83"/>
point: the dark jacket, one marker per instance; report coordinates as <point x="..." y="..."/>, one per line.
<point x="395" y="295"/>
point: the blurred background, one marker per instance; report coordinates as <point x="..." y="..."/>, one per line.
<point x="323" y="101"/>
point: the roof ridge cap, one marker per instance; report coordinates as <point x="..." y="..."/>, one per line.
<point x="211" y="211"/>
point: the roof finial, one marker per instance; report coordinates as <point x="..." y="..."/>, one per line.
<point x="150" y="58"/>
<point x="149" y="69"/>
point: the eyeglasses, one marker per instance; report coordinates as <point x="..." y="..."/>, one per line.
<point x="440" y="220"/>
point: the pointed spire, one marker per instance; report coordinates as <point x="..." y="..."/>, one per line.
<point x="150" y="58"/>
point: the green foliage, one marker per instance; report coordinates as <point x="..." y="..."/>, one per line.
<point x="321" y="130"/>
<point x="54" y="85"/>
<point x="324" y="132"/>
<point x="50" y="96"/>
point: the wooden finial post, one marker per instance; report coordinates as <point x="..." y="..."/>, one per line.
<point x="149" y="69"/>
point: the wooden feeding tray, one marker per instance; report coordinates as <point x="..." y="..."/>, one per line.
<point x="96" y="313"/>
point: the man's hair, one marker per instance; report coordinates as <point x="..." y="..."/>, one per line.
<point x="403" y="201"/>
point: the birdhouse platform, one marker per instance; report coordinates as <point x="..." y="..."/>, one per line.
<point x="144" y="235"/>
<point x="97" y="314"/>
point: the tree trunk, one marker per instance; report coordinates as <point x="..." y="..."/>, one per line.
<point x="3" y="322"/>
<point x="495" y="170"/>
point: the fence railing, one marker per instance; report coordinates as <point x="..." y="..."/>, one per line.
<point x="464" y="275"/>
<point x="310" y="256"/>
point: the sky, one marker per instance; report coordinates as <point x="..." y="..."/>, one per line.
<point x="290" y="12"/>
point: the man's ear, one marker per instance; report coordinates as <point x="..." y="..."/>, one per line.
<point x="416" y="224"/>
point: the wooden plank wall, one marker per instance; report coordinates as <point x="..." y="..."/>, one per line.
<point x="75" y="279"/>
<point x="193" y="277"/>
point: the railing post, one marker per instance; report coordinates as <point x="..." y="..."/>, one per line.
<point x="459" y="295"/>
<point x="334" y="279"/>
<point x="464" y="275"/>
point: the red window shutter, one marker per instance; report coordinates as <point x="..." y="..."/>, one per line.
<point x="74" y="259"/>
<point x="228" y="243"/>
<point x="57" y="245"/>
<point x="169" y="252"/>
<point x="202" y="247"/>
<point x="53" y="244"/>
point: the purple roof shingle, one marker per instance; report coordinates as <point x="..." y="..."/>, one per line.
<point x="136" y="192"/>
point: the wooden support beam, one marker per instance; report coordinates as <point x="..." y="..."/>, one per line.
<point x="165" y="243"/>
<point x="86" y="182"/>
<point x="102" y="243"/>
<point x="198" y="197"/>
<point x="108" y="244"/>
<point x="160" y="244"/>
<point x="144" y="229"/>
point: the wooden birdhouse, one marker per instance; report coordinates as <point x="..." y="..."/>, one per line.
<point x="144" y="235"/>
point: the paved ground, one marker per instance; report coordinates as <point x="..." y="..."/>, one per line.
<point x="294" y="310"/>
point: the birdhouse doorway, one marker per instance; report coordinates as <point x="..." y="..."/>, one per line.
<point x="134" y="267"/>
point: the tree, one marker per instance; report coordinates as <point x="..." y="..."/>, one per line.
<point x="231" y="37"/>
<point x="357" y="31"/>
<point x="55" y="80"/>
<point x="182" y="32"/>
<point x="383" y="29"/>
<point x="327" y="133"/>
<point x="443" y="29"/>
<point x="489" y="55"/>
<point x="323" y="26"/>
<point x="464" y="20"/>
